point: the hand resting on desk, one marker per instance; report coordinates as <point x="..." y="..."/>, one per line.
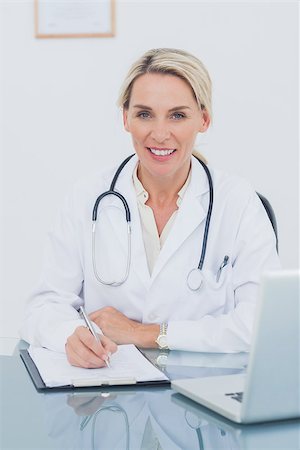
<point x="122" y="330"/>
<point x="83" y="350"/>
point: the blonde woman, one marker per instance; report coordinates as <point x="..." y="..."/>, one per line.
<point x="186" y="277"/>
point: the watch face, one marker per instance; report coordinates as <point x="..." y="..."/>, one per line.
<point x="162" y="360"/>
<point x="162" y="341"/>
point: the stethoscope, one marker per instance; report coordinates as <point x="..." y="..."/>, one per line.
<point x="115" y="408"/>
<point x="197" y="427"/>
<point x="195" y="277"/>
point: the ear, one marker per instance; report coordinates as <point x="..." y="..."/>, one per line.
<point x="205" y="121"/>
<point x="125" y="119"/>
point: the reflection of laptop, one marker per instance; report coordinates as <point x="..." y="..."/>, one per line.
<point x="224" y="434"/>
<point x="271" y="388"/>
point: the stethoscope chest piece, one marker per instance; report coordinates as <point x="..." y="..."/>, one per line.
<point x="195" y="279"/>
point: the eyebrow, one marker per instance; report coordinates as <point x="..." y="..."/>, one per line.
<point x="176" y="108"/>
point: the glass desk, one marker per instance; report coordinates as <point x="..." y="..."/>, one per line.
<point x="135" y="418"/>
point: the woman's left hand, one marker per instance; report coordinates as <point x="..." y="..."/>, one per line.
<point x="122" y="330"/>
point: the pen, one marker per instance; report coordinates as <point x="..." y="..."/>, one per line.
<point x="224" y="263"/>
<point x="91" y="328"/>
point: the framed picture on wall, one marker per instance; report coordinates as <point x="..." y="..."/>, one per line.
<point x="74" y="18"/>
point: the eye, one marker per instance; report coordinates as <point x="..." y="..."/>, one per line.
<point x="178" y="115"/>
<point x="143" y="114"/>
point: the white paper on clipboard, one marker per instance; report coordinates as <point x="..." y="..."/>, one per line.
<point x="127" y="366"/>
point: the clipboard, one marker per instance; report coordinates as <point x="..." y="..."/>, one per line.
<point x="41" y="386"/>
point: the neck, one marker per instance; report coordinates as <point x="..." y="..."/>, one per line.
<point x="163" y="190"/>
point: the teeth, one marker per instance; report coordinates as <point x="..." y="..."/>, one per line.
<point x="161" y="152"/>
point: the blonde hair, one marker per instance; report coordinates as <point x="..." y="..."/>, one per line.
<point x="171" y="62"/>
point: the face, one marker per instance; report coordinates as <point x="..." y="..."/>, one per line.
<point x="164" y="119"/>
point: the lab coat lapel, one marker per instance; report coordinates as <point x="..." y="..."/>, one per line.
<point x="189" y="216"/>
<point x="124" y="186"/>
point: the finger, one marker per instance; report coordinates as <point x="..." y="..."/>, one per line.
<point x="109" y="346"/>
<point x="81" y="356"/>
<point x="84" y="351"/>
<point x="94" y="315"/>
<point x="97" y="319"/>
<point x="86" y="362"/>
<point x="77" y="357"/>
<point x="96" y="346"/>
<point x="106" y="311"/>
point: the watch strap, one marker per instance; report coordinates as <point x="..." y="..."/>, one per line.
<point x="162" y="334"/>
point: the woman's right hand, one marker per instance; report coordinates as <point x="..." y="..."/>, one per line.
<point x="83" y="350"/>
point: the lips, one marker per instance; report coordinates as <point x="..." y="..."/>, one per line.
<point x="161" y="151"/>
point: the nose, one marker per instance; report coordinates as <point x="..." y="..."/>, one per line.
<point x="160" y="132"/>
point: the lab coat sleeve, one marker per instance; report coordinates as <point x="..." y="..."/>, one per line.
<point x="51" y="314"/>
<point x="254" y="252"/>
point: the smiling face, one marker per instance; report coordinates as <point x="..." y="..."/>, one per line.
<point x="164" y="119"/>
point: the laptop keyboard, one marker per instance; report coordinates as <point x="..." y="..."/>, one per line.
<point x="238" y="396"/>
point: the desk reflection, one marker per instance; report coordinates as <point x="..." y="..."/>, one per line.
<point x="153" y="419"/>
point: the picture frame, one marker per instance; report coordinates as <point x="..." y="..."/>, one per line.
<point x="74" y="18"/>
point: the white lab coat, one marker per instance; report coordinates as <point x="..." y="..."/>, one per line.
<point x="217" y="318"/>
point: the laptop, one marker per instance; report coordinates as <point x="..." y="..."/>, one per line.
<point x="270" y="390"/>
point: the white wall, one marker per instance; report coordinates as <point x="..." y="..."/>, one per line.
<point x="60" y="120"/>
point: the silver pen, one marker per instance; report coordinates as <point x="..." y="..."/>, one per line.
<point x="224" y="264"/>
<point x="91" y="328"/>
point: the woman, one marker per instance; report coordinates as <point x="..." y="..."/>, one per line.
<point x="166" y="102"/>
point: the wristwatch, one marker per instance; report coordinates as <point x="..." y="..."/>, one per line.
<point x="162" y="337"/>
<point x="162" y="359"/>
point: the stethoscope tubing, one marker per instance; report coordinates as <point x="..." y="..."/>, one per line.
<point x="209" y="212"/>
<point x="117" y="194"/>
<point x="114" y="408"/>
<point x="119" y="410"/>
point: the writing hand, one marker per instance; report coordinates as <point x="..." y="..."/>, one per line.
<point x="83" y="350"/>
